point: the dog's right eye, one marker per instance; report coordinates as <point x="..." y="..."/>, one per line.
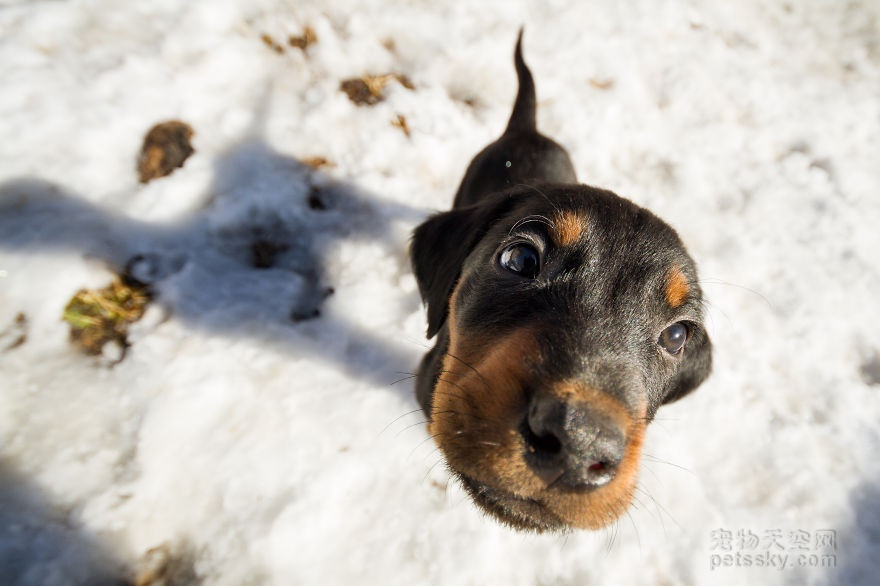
<point x="522" y="259"/>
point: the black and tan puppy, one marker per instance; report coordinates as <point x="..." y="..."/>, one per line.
<point x="565" y="316"/>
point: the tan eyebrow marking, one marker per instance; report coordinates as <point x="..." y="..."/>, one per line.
<point x="677" y="288"/>
<point x="567" y="228"/>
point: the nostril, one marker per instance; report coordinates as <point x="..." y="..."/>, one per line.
<point x="545" y="453"/>
<point x="598" y="474"/>
<point x="547" y="443"/>
<point x="600" y="460"/>
<point x="598" y="467"/>
<point x="543" y="428"/>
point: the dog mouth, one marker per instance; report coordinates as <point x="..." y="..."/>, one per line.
<point x="519" y="512"/>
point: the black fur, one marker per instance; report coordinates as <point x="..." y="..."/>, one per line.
<point x="521" y="154"/>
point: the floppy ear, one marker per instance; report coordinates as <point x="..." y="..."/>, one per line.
<point x="440" y="246"/>
<point x="696" y="366"/>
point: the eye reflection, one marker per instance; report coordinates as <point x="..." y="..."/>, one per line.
<point x="522" y="259"/>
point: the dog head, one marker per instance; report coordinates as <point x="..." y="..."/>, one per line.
<point x="566" y="316"/>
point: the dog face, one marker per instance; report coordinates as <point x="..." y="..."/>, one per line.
<point x="565" y="317"/>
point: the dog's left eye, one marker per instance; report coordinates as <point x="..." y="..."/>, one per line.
<point x="673" y="338"/>
<point x="522" y="259"/>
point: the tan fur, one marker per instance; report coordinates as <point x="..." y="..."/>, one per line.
<point x="568" y="227"/>
<point x="677" y="288"/>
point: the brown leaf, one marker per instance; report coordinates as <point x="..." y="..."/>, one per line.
<point x="166" y="147"/>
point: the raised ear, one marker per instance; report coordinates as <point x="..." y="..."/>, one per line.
<point x="696" y="366"/>
<point x="440" y="246"/>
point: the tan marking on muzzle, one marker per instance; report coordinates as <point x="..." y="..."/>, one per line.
<point x="479" y="404"/>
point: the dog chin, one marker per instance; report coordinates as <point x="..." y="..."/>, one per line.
<point x="518" y="512"/>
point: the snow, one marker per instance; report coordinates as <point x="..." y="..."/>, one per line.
<point x="256" y="450"/>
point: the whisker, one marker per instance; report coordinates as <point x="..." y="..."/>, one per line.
<point x="465" y="396"/>
<point x="432" y="452"/>
<point x="654" y="474"/>
<point x="655" y="513"/>
<point x="449" y="382"/>
<point x="416" y="424"/>
<point x="407" y="377"/>
<point x="613" y="528"/>
<point x="430" y="437"/>
<point x="425" y="345"/>
<point x="757" y="294"/>
<point x="660" y="509"/>
<point x="668" y="463"/>
<point x="431" y="469"/>
<point x="636" y="529"/>
<point x="396" y="419"/>
<point x="542" y="194"/>
<point x="477" y="372"/>
<point x="447" y="393"/>
<point x="474" y="413"/>
<point x="637" y="503"/>
<point x="488" y="443"/>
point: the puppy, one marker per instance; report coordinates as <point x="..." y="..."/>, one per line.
<point x="564" y="317"/>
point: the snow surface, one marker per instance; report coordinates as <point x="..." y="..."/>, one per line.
<point x="262" y="451"/>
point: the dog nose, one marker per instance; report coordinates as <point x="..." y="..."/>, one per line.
<point x="570" y="444"/>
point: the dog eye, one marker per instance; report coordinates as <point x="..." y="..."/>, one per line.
<point x="673" y="338"/>
<point x="522" y="259"/>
